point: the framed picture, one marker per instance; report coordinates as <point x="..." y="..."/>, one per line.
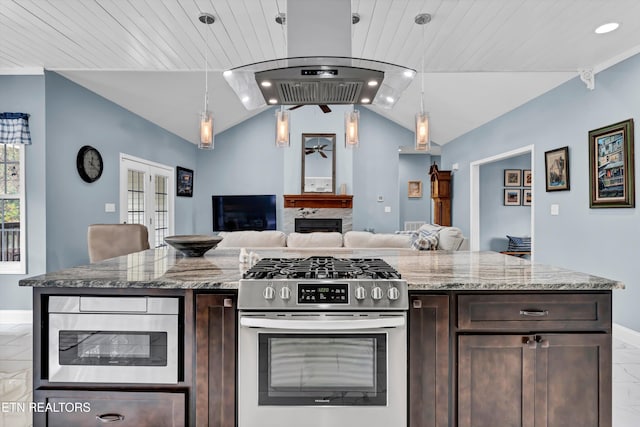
<point x="556" y="169"/>
<point x="526" y="178"/>
<point x="512" y="197"/>
<point x="414" y="189"/>
<point x="611" y="171"/>
<point x="184" y="182"/>
<point x="512" y="178"/>
<point x="527" y="196"/>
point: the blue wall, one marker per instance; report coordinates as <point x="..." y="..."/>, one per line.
<point x="598" y="241"/>
<point x="25" y="94"/>
<point x="76" y="117"/>
<point x="414" y="167"/>
<point x="246" y="161"/>
<point x="496" y="220"/>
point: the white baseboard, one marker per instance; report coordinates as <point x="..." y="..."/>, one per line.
<point x="625" y="334"/>
<point x="16" y="316"/>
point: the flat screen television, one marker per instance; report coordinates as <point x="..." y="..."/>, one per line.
<point x="234" y="213"/>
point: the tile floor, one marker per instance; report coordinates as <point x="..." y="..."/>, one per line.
<point x="16" y="383"/>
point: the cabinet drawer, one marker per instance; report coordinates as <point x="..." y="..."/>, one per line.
<point x="537" y="312"/>
<point x="95" y="408"/>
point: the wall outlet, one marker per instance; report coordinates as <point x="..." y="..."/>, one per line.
<point x="109" y="207"/>
<point x="387" y="209"/>
<point x="555" y="209"/>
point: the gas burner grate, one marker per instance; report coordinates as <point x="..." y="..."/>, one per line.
<point x="321" y="268"/>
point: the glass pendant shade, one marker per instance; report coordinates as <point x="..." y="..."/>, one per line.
<point x="351" y="124"/>
<point x="206" y="131"/>
<point x="282" y="128"/>
<point x="422" y="132"/>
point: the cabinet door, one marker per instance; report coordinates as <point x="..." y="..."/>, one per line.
<point x="429" y="361"/>
<point x="496" y="375"/>
<point x="573" y="379"/>
<point x="215" y="360"/>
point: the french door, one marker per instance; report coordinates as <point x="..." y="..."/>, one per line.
<point x="146" y="197"/>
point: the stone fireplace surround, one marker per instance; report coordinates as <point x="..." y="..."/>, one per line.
<point x="318" y="206"/>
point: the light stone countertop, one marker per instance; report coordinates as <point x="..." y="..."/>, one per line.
<point x="423" y="270"/>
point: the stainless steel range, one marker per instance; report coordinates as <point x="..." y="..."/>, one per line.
<point x="322" y="342"/>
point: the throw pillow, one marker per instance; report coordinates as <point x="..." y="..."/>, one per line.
<point x="519" y="244"/>
<point x="426" y="239"/>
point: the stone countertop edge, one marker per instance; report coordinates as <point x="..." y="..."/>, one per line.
<point x="423" y="271"/>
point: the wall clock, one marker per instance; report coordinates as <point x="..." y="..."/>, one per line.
<point x="89" y="164"/>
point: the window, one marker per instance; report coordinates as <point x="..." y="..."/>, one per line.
<point x="12" y="210"/>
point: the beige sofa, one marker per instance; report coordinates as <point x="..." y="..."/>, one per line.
<point x="449" y="239"/>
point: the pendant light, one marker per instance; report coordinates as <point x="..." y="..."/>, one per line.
<point x="282" y="116"/>
<point x="423" y="142"/>
<point x="282" y="127"/>
<point x="351" y="125"/>
<point x="206" y="118"/>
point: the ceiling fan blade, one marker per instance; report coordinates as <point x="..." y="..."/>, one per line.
<point x="325" y="108"/>
<point x="322" y="154"/>
<point x="295" y="107"/>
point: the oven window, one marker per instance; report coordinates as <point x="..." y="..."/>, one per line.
<point x="322" y="369"/>
<point x="120" y="348"/>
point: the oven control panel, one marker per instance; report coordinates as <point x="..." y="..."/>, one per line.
<point x="322" y="293"/>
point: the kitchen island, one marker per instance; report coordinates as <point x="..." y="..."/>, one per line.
<point x="493" y="339"/>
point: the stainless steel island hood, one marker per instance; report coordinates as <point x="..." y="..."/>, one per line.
<point x="332" y="76"/>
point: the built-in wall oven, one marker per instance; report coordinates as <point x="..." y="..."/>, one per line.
<point x="322" y="350"/>
<point x="113" y="339"/>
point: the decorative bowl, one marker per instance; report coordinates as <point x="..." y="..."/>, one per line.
<point x="192" y="245"/>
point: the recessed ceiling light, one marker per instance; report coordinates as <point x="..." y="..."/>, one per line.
<point x="607" y="28"/>
<point x="227" y="73"/>
<point x="266" y="84"/>
<point x="409" y="73"/>
<point x="372" y="83"/>
<point x="390" y="99"/>
<point x="365" y="100"/>
<point x="273" y="101"/>
<point x="245" y="99"/>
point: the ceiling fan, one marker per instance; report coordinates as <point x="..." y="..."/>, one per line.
<point x="325" y="108"/>
<point x="316" y="149"/>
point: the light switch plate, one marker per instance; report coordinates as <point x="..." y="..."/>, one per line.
<point x="555" y="209"/>
<point x="109" y="207"/>
<point x="387" y="209"/>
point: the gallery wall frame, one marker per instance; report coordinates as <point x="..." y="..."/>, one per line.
<point x="556" y="169"/>
<point x="611" y="166"/>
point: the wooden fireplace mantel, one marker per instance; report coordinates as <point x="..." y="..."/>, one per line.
<point x="318" y="201"/>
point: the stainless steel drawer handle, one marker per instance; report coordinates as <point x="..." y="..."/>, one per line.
<point x="110" y="418"/>
<point x="534" y="313"/>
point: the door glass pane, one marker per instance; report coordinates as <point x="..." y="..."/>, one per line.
<point x="135" y="197"/>
<point x="161" y="209"/>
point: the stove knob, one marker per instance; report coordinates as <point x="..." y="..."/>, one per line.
<point x="393" y="293"/>
<point x="269" y="293"/>
<point x="376" y="293"/>
<point x="361" y="293"/>
<point x="285" y="293"/>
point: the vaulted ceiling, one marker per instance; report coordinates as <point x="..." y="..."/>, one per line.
<point x="482" y="58"/>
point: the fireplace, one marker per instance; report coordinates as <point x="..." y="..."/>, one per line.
<point x="308" y="225"/>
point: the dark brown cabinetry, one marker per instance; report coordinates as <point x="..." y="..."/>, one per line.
<point x="215" y="368"/>
<point x="89" y="408"/>
<point x="429" y="361"/>
<point x="441" y="195"/>
<point x="536" y="378"/>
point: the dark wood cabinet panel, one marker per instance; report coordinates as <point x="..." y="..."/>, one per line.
<point x="573" y="380"/>
<point x="552" y="380"/>
<point x="535" y="312"/>
<point x="429" y="361"/>
<point x="215" y="372"/>
<point x="495" y="381"/>
<point x="126" y="409"/>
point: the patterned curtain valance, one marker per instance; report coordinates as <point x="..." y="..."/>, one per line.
<point x="14" y="128"/>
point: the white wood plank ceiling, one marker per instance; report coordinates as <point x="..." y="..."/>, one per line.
<point x="482" y="57"/>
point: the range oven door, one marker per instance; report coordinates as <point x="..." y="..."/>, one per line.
<point x="316" y="365"/>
